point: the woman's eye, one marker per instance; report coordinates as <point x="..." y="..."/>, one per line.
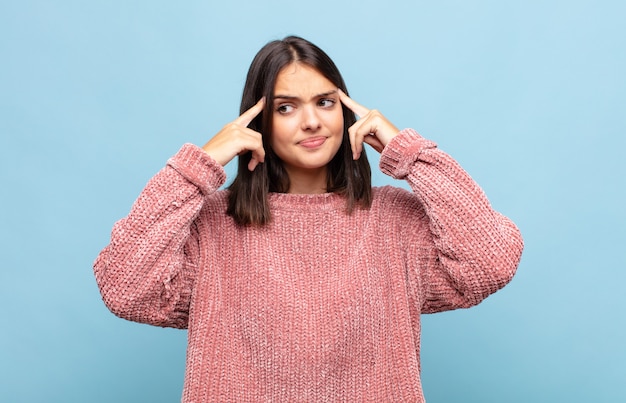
<point x="284" y="108"/>
<point x="326" y="103"/>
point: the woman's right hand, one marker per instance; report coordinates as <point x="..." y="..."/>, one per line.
<point x="236" y="138"/>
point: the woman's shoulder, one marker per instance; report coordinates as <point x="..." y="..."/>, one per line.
<point x="213" y="217"/>
<point x="395" y="199"/>
<point x="216" y="202"/>
<point x="395" y="207"/>
<point x="393" y="194"/>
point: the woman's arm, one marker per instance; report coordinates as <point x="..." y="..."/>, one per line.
<point x="475" y="250"/>
<point x="146" y="273"/>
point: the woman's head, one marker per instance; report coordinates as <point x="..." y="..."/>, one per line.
<point x="275" y="56"/>
<point x="248" y="198"/>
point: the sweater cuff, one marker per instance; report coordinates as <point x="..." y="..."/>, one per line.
<point x="198" y="168"/>
<point x="402" y="152"/>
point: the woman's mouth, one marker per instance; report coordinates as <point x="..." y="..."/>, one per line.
<point x="312" y="142"/>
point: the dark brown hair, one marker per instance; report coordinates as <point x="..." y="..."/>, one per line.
<point x="248" y="197"/>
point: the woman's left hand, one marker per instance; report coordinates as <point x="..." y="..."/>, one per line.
<point x="371" y="128"/>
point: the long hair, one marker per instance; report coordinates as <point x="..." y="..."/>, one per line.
<point x="248" y="198"/>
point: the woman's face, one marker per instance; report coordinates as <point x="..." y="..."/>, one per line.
<point x="307" y="127"/>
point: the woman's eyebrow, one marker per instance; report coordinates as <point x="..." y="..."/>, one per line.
<point x="324" y="94"/>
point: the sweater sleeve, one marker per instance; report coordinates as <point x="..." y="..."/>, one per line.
<point x="146" y="273"/>
<point x="475" y="250"/>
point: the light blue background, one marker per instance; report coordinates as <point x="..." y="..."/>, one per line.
<point x="529" y="96"/>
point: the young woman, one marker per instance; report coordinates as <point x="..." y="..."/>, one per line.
<point x="301" y="282"/>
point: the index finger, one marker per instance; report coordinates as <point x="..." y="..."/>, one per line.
<point x="351" y="104"/>
<point x="249" y="115"/>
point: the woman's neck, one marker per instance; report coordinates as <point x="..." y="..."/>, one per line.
<point x="307" y="181"/>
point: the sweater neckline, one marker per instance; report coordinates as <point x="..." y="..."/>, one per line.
<point x="306" y="202"/>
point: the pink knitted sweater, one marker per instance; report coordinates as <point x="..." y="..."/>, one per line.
<point x="318" y="306"/>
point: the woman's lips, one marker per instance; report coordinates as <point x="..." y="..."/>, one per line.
<point x="312" y="142"/>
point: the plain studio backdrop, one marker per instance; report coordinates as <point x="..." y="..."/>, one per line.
<point x="529" y="96"/>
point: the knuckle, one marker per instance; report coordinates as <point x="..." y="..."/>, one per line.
<point x="231" y="126"/>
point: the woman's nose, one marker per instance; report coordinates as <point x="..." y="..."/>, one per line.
<point x="310" y="118"/>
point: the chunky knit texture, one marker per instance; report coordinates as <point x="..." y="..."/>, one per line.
<point x="319" y="305"/>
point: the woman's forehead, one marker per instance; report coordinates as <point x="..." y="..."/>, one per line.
<point x="298" y="80"/>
